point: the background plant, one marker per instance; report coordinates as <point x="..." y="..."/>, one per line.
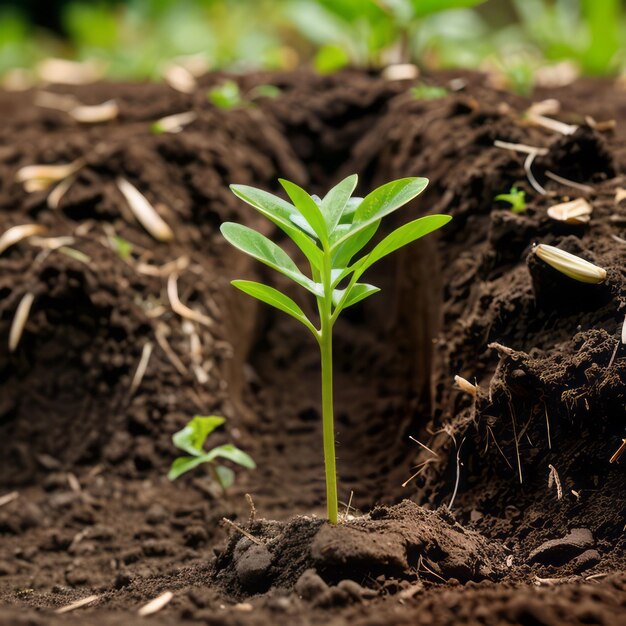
<point x="191" y="440"/>
<point x="330" y="232"/>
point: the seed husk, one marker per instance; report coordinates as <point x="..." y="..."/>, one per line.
<point x="68" y="72"/>
<point x="180" y="78"/>
<point x="46" y="173"/>
<point x="19" y="320"/>
<point x="18" y="233"/>
<point x="95" y="114"/>
<point x="465" y="385"/>
<point x="570" y="264"/>
<point x="550" y="106"/>
<point x="156" y="605"/>
<point x="145" y="212"/>
<point x="54" y="198"/>
<point x="77" y="605"/>
<point x="174" y="123"/>
<point x="57" y="101"/>
<point x="401" y="71"/>
<point x="574" y="212"/>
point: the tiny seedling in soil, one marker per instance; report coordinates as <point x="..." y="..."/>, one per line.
<point x="225" y="96"/>
<point x="329" y="232"/>
<point x="191" y="440"/>
<point x="516" y="199"/>
<point x="428" y="92"/>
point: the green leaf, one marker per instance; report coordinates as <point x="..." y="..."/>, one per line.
<point x="358" y="292"/>
<point x="280" y="212"/>
<point x="336" y="199"/>
<point x="348" y="213"/>
<point x="382" y="202"/>
<point x="274" y="298"/>
<point x="225" y="475"/>
<point x="262" y="249"/>
<point x="265" y="91"/>
<point x="307" y="207"/>
<point x="192" y="437"/>
<point x="422" y="8"/>
<point x="226" y="95"/>
<point x="232" y="453"/>
<point x="344" y="253"/>
<point x="183" y="464"/>
<point x="330" y="58"/>
<point x="403" y="236"/>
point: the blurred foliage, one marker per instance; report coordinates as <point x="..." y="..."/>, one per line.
<point x="137" y="38"/>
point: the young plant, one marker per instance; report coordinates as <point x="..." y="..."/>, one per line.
<point x="516" y="198"/>
<point x="329" y="232"/>
<point x="225" y="96"/>
<point x="191" y="440"/>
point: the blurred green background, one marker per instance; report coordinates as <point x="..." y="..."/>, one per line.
<point x="137" y="38"/>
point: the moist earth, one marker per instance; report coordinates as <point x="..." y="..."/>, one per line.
<point x="514" y="513"/>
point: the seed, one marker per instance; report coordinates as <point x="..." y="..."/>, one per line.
<point x="46" y="174"/>
<point x="19" y="321"/>
<point x="551" y="106"/>
<point x="575" y="212"/>
<point x="465" y="385"/>
<point x="71" y="72"/>
<point x="96" y="113"/>
<point x="401" y="71"/>
<point x="18" y="233"/>
<point x="174" y="123"/>
<point x="59" y="191"/>
<point x="145" y="212"/>
<point x="180" y="78"/>
<point x="156" y="605"/>
<point x="56" y="101"/>
<point x="570" y="264"/>
<point x="77" y="605"/>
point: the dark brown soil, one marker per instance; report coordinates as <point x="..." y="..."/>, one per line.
<point x="479" y="536"/>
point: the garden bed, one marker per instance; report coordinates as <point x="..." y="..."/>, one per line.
<point x="85" y="447"/>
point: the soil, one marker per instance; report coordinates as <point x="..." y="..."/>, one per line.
<point x="515" y="516"/>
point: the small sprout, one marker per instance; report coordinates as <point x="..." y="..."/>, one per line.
<point x="19" y="320"/>
<point x="570" y="264"/>
<point x="144" y="212"/>
<point x="191" y="440"/>
<point x="575" y="212"/>
<point x="400" y="71"/>
<point x="428" y="92"/>
<point x="264" y="91"/>
<point x="121" y="247"/>
<point x="330" y="233"/>
<point x="95" y="114"/>
<point x="225" y="96"/>
<point x="173" y="123"/>
<point x="19" y="233"/>
<point x="465" y="385"/>
<point x="516" y="198"/>
<point x="155" y="605"/>
<point x="180" y="78"/>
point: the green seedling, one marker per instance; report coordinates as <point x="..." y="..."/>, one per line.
<point x="428" y="92"/>
<point x="516" y="198"/>
<point x="225" y="96"/>
<point x="330" y="232"/>
<point x="121" y="246"/>
<point x="264" y="91"/>
<point x="191" y="440"/>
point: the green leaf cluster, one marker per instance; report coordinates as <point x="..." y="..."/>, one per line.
<point x="516" y="199"/>
<point x="191" y="441"/>
<point x="331" y="233"/>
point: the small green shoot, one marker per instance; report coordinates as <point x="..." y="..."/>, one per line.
<point x="121" y="247"/>
<point x="225" y="96"/>
<point x="264" y="91"/>
<point x="191" y="440"/>
<point x="330" y="232"/>
<point x="516" y="198"/>
<point x="428" y="92"/>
